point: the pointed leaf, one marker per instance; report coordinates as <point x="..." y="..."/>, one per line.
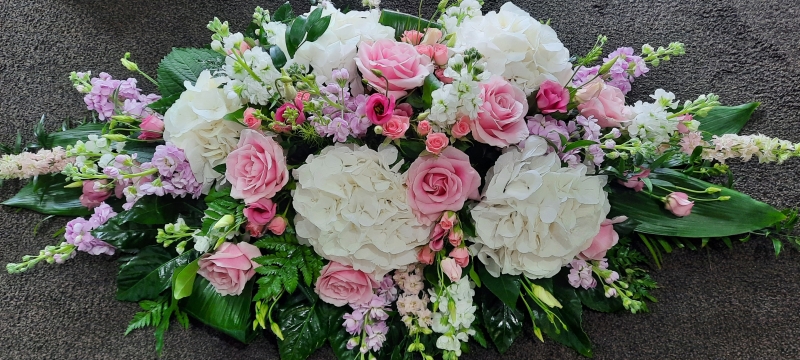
<point x="570" y="314"/>
<point x="148" y="273"/>
<point x="505" y="287"/>
<point x="727" y="119"/>
<point x="401" y="22"/>
<point x="303" y="328"/>
<point x="47" y="195"/>
<point x="181" y="65"/>
<point x="503" y="323"/>
<point x="228" y="314"/>
<point x="184" y="280"/>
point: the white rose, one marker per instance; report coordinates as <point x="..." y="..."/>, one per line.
<point x="352" y="208"/>
<point x="535" y="215"/>
<point x="195" y="125"/>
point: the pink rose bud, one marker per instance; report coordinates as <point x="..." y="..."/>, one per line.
<point x="243" y="46"/>
<point x="425" y="255"/>
<point x="230" y="267"/>
<point x="461" y="256"/>
<point x="440" y="75"/>
<point x="449" y="219"/>
<point x="277" y="225"/>
<point x="461" y="127"/>
<point x="451" y="269"/>
<point x="254" y="229"/>
<point x="412" y="37"/>
<point x="93" y="195"/>
<point x="432" y="36"/>
<point x="396" y="127"/>
<point x="380" y="108"/>
<point x="423" y="128"/>
<point x="604" y="240"/>
<point x="440" y="54"/>
<point x="436" y="142"/>
<point x="250" y="120"/>
<point x="152" y="128"/>
<point x="260" y="212"/>
<point x="403" y="109"/>
<point x="552" y="97"/>
<point x="635" y="181"/>
<point x="455" y="237"/>
<point x="340" y="285"/>
<point x="436" y="244"/>
<point x="590" y="90"/>
<point x="678" y="203"/>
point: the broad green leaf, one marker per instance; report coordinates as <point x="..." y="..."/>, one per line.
<point x="283" y="13"/>
<point x="595" y="299"/>
<point x="153" y="210"/>
<point x="47" y="195"/>
<point x="313" y="17"/>
<point x="184" y="280"/>
<point x="318" y="28"/>
<point x="126" y="236"/>
<point x="505" y="287"/>
<point x="431" y="83"/>
<point x="304" y="329"/>
<point x="401" y="22"/>
<point x="277" y="55"/>
<point x="236" y="116"/>
<point x="148" y="273"/>
<point x="503" y="323"/>
<point x="338" y="336"/>
<point x="162" y="105"/>
<point x="71" y="136"/>
<point x="727" y="119"/>
<point x="230" y="314"/>
<point x="183" y="64"/>
<point x="740" y="214"/>
<point x="295" y="34"/>
<point x="568" y="331"/>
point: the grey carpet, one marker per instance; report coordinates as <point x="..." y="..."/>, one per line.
<point x="716" y="303"/>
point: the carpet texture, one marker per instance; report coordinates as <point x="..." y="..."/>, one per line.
<point x="715" y="303"/>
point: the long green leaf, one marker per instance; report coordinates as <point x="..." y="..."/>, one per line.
<point x="47" y="195"/>
<point x="568" y="330"/>
<point x="229" y="314"/>
<point x="727" y="119"/>
<point x="740" y="214"/>
<point x="401" y="22"/>
<point x="148" y="273"/>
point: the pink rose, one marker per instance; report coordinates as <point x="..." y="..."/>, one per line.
<point x="412" y="37"/>
<point x="461" y="127"/>
<point x="437" y="53"/>
<point x="436" y="142"/>
<point x="399" y="63"/>
<point x="448" y="220"/>
<point x="461" y="256"/>
<point x="678" y="203"/>
<point x="635" y="181"/>
<point x="604" y="240"/>
<point x="230" y="267"/>
<point x="455" y="237"/>
<point x="250" y="120"/>
<point x="379" y="108"/>
<point x="423" y="128"/>
<point x="425" y="255"/>
<point x="608" y="107"/>
<point x="340" y="285"/>
<point x="396" y="127"/>
<point x="552" y="97"/>
<point x="254" y="229"/>
<point x="93" y="193"/>
<point x="440" y="183"/>
<point x="403" y="109"/>
<point x="277" y="225"/>
<point x="257" y="168"/>
<point x="152" y="128"/>
<point x="501" y="118"/>
<point x="590" y="90"/>
<point x="260" y="212"/>
<point x="432" y="36"/>
<point x="451" y="269"/>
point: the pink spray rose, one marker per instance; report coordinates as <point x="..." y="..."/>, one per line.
<point x="277" y="225"/>
<point x="396" y="127"/>
<point x="230" y="267"/>
<point x="437" y="238"/>
<point x="552" y="97"/>
<point x="437" y="53"/>
<point x="604" y="240"/>
<point x="250" y="120"/>
<point x="448" y="220"/>
<point x="254" y="229"/>
<point x="590" y="90"/>
<point x="152" y="128"/>
<point x="340" y="284"/>
<point x="455" y="237"/>
<point x="461" y="127"/>
<point x="440" y="75"/>
<point x="257" y="168"/>
<point x="608" y="107"/>
<point x="451" y="269"/>
<point x="501" y="118"/>
<point x="461" y="256"/>
<point x="412" y="37"/>
<point x="682" y="121"/>
<point x="436" y="142"/>
<point x="440" y="183"/>
<point x="425" y="255"/>
<point x="678" y="203"/>
<point x="635" y="181"/>
<point x="260" y="212"/>
<point x="379" y="109"/>
<point x="93" y="195"/>
<point x="399" y="63"/>
<point x="423" y="128"/>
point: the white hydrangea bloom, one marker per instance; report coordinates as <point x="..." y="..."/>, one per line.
<point x="352" y="208"/>
<point x="535" y="215"/>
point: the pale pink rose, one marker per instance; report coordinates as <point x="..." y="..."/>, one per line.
<point x="152" y="128"/>
<point x="461" y="256"/>
<point x="396" y="127"/>
<point x="461" y="127"/>
<point x="635" y="181"/>
<point x="455" y="237"/>
<point x="440" y="75"/>
<point x="250" y="120"/>
<point x="399" y="63"/>
<point x="379" y="108"/>
<point x="412" y="37"/>
<point x="425" y="255"/>
<point x="426" y="50"/>
<point x="260" y="212"/>
<point x="608" y="107"/>
<point x="423" y="128"/>
<point x="678" y="203"/>
<point x="277" y="225"/>
<point x="230" y="267"/>
<point x="552" y="97"/>
<point x="440" y="183"/>
<point x="257" y="168"/>
<point x="93" y="195"/>
<point x="436" y="142"/>
<point x="448" y="220"/>
<point x="590" y="90"/>
<point x="403" y="109"/>
<point x="604" y="240"/>
<point x="432" y="36"/>
<point x="440" y="54"/>
<point x="501" y="118"/>
<point x="451" y="269"/>
<point x="340" y="285"/>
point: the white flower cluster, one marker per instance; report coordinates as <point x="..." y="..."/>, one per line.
<point x="455" y="15"/>
<point x="454" y="315"/>
<point x="650" y="121"/>
<point x="243" y="84"/>
<point x="195" y="124"/>
<point x="767" y="149"/>
<point x="94" y="146"/>
<point x="461" y="97"/>
<point x="352" y="208"/>
<point x="535" y="215"/>
<point x="516" y="46"/>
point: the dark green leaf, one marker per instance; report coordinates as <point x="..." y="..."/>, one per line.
<point x="596" y="299"/>
<point x="295" y="35"/>
<point x="431" y="83"/>
<point x="503" y="323"/>
<point x="401" y="22"/>
<point x="738" y="215"/>
<point x="126" y="236"/>
<point x="148" y="273"/>
<point x="71" y="136"/>
<point x="570" y="314"/>
<point x="184" y="64"/>
<point x="778" y="245"/>
<point x="143" y="150"/>
<point x="277" y="55"/>
<point x="318" y="28"/>
<point x="727" y="119"/>
<point x="228" y="314"/>
<point x="283" y="13"/>
<point x="505" y="287"/>
<point x="304" y="329"/>
<point x="162" y="105"/>
<point x="184" y="280"/>
<point x="236" y="116"/>
<point x="312" y="18"/>
<point x="578" y="144"/>
<point x="153" y="210"/>
<point x="47" y="195"/>
<point x="221" y="168"/>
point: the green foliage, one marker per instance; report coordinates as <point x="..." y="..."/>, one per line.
<point x="283" y="264"/>
<point x="303" y="29"/>
<point x="402" y="22"/>
<point x="71" y="136"/>
<point x="781" y="231"/>
<point x="628" y="263"/>
<point x="593" y="54"/>
<point x="183" y="280"/>
<point x="149" y="272"/>
<point x="565" y="326"/>
<point x="306" y="325"/>
<point x="229" y="314"/>
<point x="428" y="87"/>
<point x="180" y="65"/>
<point x="158" y="315"/>
<point x="723" y="120"/>
<point x="505" y="287"/>
<point x="503" y="323"/>
<point x="220" y="203"/>
<point x="138" y="227"/>
<point x="283" y="13"/>
<point x="46" y="194"/>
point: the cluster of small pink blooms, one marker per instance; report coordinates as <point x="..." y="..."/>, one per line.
<point x="767" y="149"/>
<point x="690" y="141"/>
<point x="29" y="164"/>
<point x="106" y="95"/>
<point x="367" y="322"/>
<point x="413" y="308"/>
<point x="340" y="114"/>
<point x="554" y="131"/>
<point x="580" y="275"/>
<point x="79" y="231"/>
<point x="175" y="176"/>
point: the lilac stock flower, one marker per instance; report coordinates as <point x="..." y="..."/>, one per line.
<point x="78" y="231"/>
<point x="625" y="69"/>
<point x="353" y="321"/>
<point x="581" y="275"/>
<point x="584" y="75"/>
<point x="339" y="129"/>
<point x="370" y="319"/>
<point x="376" y="335"/>
<point x="107" y="92"/>
<point x="340" y="123"/>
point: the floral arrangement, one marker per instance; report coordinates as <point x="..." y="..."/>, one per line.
<point x="391" y="185"/>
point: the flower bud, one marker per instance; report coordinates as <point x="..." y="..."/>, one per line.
<point x="546" y="297"/>
<point x="724" y="198"/>
<point x="130" y="65"/>
<point x="712" y="190"/>
<point x="276" y="330"/>
<point x="607" y="66"/>
<point x="76" y="184"/>
<point x="116" y="137"/>
<point x="224" y="222"/>
<point x="378" y="130"/>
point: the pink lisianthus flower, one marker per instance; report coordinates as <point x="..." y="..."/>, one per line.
<point x="380" y="108"/>
<point x="635" y="181"/>
<point x="93" y="193"/>
<point x="678" y="203"/>
<point x="152" y="128"/>
<point x="552" y="97"/>
<point x="605" y="239"/>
